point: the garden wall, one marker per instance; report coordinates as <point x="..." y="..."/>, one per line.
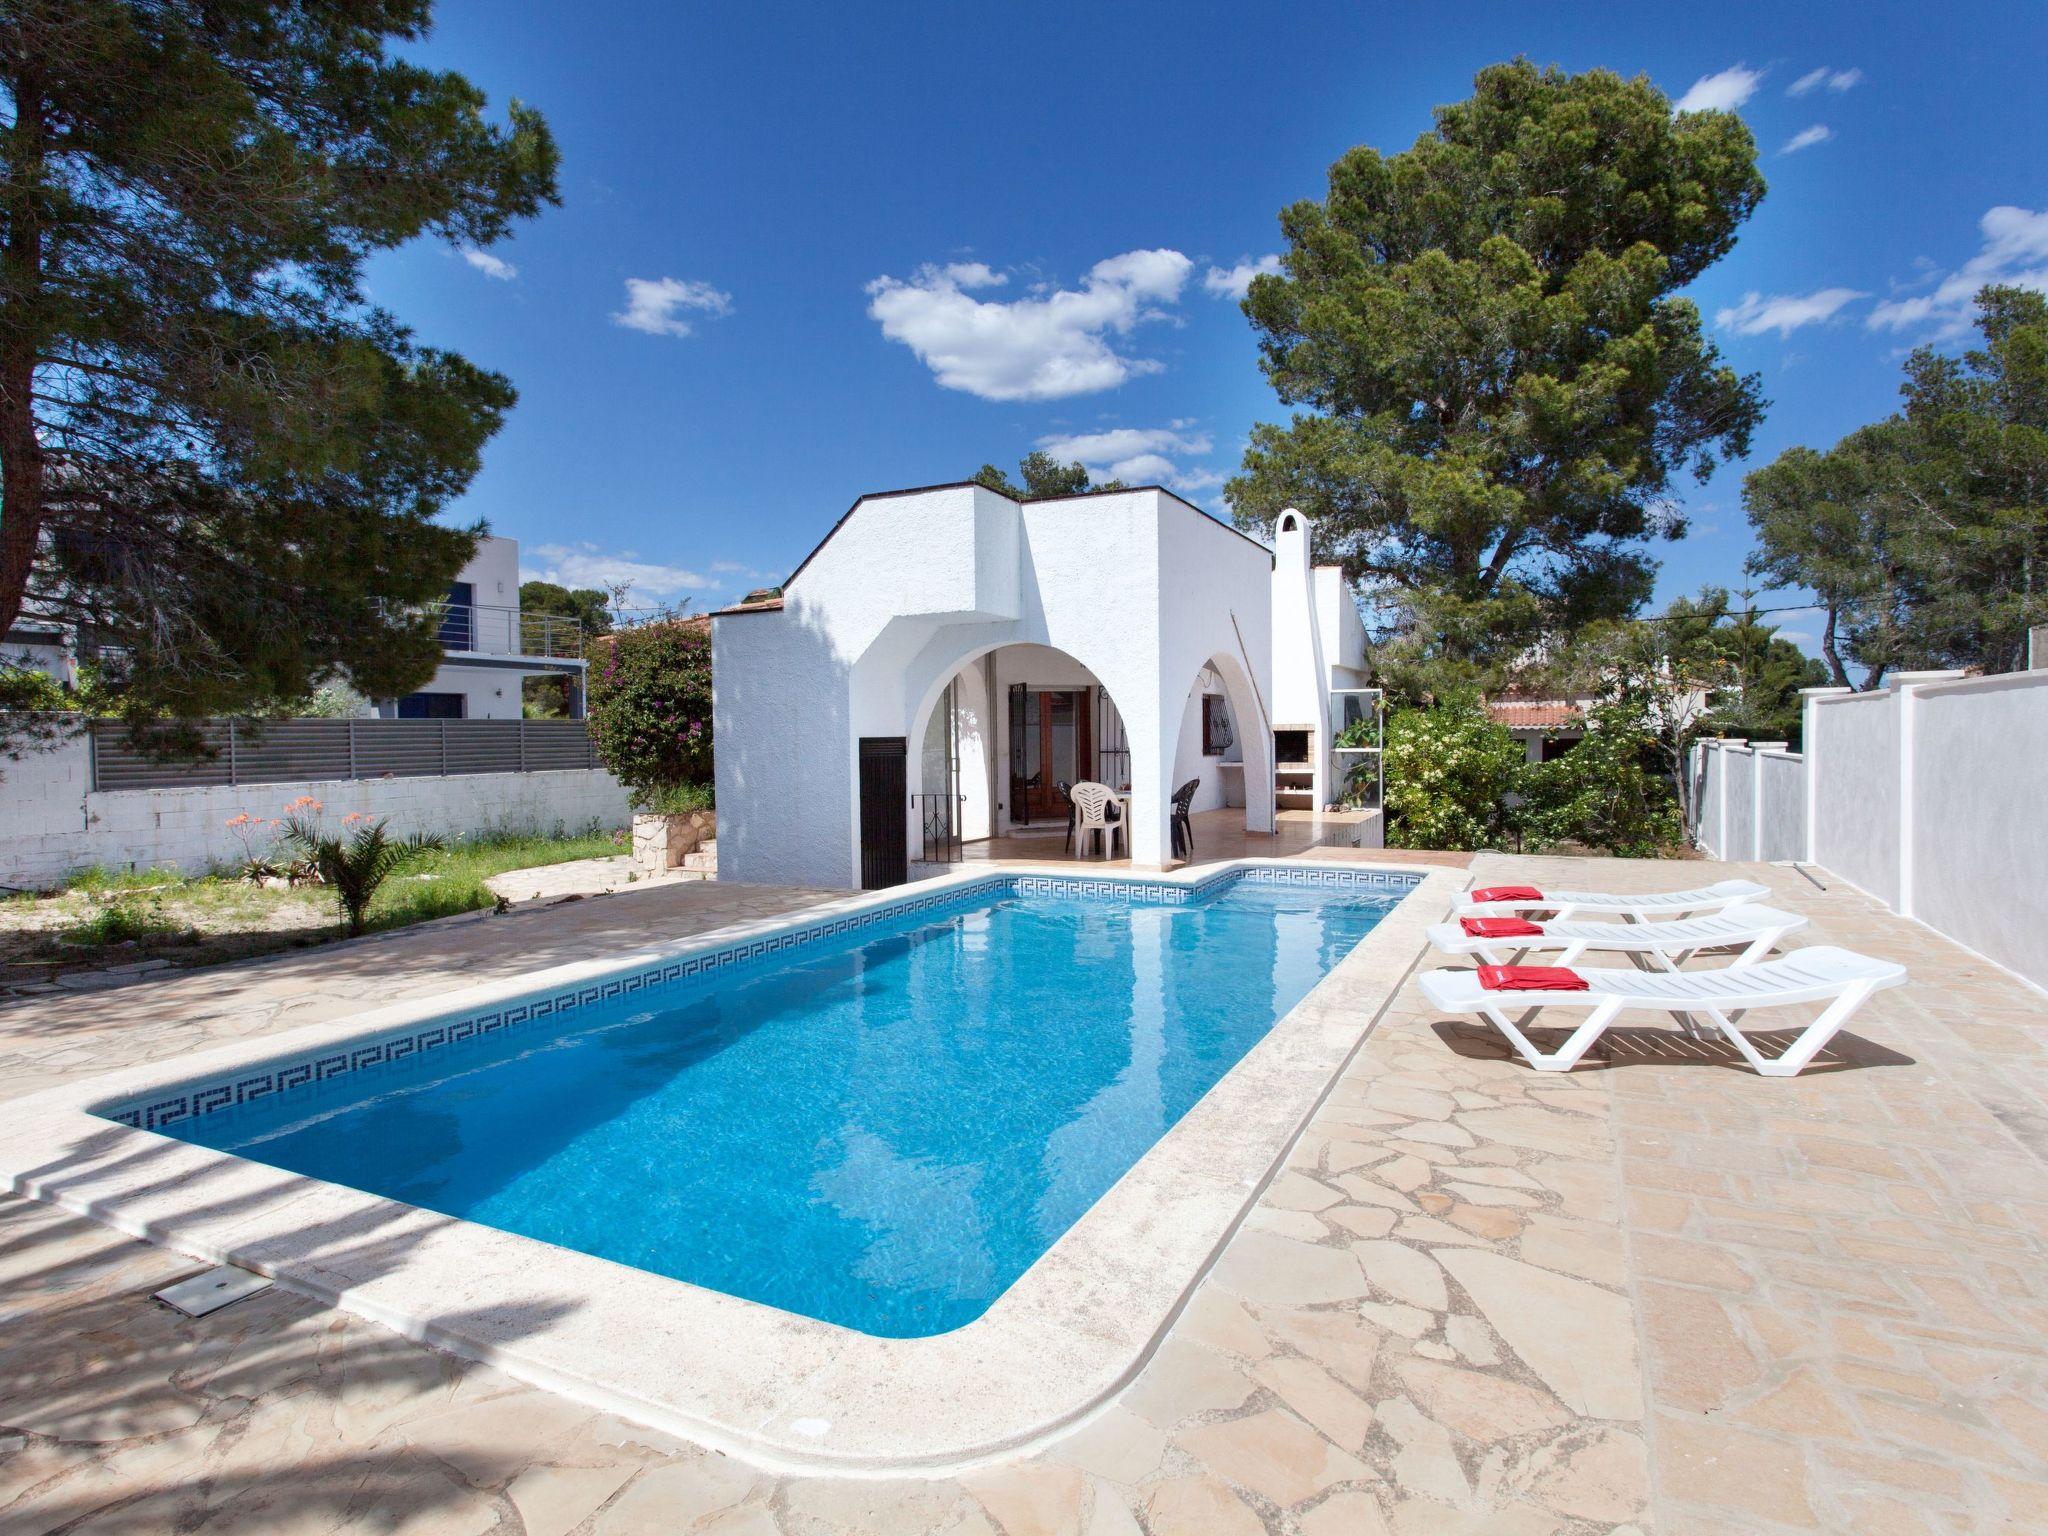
<point x="52" y="822"/>
<point x="1926" y="794"/>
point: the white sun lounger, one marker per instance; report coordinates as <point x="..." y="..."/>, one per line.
<point x="1666" y="945"/>
<point x="1639" y="908"/>
<point x="1841" y="978"/>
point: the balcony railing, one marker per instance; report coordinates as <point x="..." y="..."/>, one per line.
<point x="506" y="631"/>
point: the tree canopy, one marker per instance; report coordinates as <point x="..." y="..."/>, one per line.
<point x="587" y="604"/>
<point x="1043" y="475"/>
<point x="1924" y="537"/>
<point x="218" y="460"/>
<point x="1501" y="383"/>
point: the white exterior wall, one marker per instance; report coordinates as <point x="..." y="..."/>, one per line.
<point x="1926" y="795"/>
<point x="1781" y="806"/>
<point x="1136" y="587"/>
<point x="488" y="693"/>
<point x="1852" y="743"/>
<point x="1979" y="833"/>
<point x="493" y="571"/>
<point x="55" y="824"/>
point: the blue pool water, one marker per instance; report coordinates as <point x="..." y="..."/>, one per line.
<point x="882" y="1130"/>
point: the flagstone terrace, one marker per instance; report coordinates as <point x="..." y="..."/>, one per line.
<point x="1658" y="1294"/>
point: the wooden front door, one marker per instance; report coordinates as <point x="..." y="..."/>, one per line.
<point x="1050" y="745"/>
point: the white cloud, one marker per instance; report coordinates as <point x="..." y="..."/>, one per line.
<point x="1721" y="93"/>
<point x="2014" y="252"/>
<point x="1044" y="346"/>
<point x="1836" y="80"/>
<point x="1783" y="312"/>
<point x="489" y="265"/>
<point x="1806" y="138"/>
<point x="1235" y="282"/>
<point x="656" y="304"/>
<point x="1138" y="455"/>
<point x="585" y="565"/>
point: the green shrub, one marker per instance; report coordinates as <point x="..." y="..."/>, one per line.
<point x="674" y="799"/>
<point x="1447" y="769"/>
<point x="1603" y="793"/>
<point x="124" y="919"/>
<point x="650" y="704"/>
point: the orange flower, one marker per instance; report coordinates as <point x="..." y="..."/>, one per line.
<point x="239" y="821"/>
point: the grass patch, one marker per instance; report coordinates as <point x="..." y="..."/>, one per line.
<point x="451" y="882"/>
<point x="98" y="880"/>
<point x="128" y="920"/>
<point x="216" y="917"/>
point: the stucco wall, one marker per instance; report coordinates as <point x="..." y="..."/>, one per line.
<point x="1782" y="831"/>
<point x="1980" y="824"/>
<point x="1928" y="796"/>
<point x="1738" y="790"/>
<point x="54" y="824"/>
<point x="1856" y="799"/>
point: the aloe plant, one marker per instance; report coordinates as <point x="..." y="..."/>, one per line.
<point x="355" y="864"/>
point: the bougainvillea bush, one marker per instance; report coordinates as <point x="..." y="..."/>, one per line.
<point x="650" y="704"/>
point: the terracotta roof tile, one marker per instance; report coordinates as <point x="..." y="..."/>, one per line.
<point x="1532" y="716"/>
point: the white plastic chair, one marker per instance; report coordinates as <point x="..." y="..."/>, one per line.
<point x="1841" y="978"/>
<point x="1638" y="908"/>
<point x="1091" y="814"/>
<point x="1759" y="930"/>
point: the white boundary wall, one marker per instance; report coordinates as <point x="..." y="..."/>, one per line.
<point x="1930" y="795"/>
<point x="52" y="822"/>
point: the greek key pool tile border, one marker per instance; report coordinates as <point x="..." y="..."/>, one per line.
<point x="192" y="1100"/>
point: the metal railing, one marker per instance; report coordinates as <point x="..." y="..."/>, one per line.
<point x="490" y="630"/>
<point x="938" y="824"/>
<point x="294" y="751"/>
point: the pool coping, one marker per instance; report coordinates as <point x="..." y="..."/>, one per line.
<point x="781" y="1391"/>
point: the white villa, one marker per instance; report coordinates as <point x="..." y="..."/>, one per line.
<point x="948" y="659"/>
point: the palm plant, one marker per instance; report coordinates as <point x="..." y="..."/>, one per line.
<point x="356" y="864"/>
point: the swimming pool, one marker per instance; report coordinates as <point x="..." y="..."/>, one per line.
<point x="880" y="1124"/>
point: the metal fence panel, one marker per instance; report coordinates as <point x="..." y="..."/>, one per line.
<point x="295" y="751"/>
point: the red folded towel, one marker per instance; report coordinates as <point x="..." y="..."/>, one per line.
<point x="1500" y="927"/>
<point x="1530" y="978"/>
<point x="1507" y="893"/>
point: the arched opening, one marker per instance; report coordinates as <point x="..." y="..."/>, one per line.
<point x="1290" y="521"/>
<point x="1223" y="751"/>
<point x="999" y="739"/>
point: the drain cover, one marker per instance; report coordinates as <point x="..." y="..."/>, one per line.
<point x="211" y="1290"/>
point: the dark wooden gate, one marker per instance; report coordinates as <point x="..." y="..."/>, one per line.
<point x="884" y="812"/>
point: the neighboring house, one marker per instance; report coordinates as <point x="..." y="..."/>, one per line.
<point x="948" y="657"/>
<point x="41" y="645"/>
<point x="492" y="647"/>
<point x="1546" y="728"/>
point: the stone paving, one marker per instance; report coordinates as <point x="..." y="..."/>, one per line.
<point x="1658" y="1294"/>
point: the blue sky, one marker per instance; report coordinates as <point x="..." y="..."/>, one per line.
<point x="806" y="252"/>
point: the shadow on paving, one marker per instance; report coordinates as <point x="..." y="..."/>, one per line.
<point x="119" y="1414"/>
<point x="1637" y="1046"/>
